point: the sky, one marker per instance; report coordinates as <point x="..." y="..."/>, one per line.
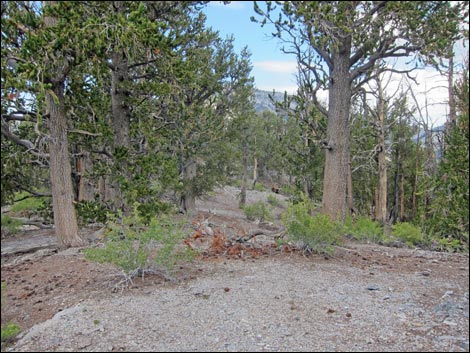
<point x="274" y="70"/>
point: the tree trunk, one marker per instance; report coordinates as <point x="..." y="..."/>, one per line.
<point x="85" y="188"/>
<point x="65" y="219"/>
<point x="402" y="197"/>
<point x="350" y="188"/>
<point x="381" y="206"/>
<point x="450" y="87"/>
<point x="120" y="121"/>
<point x="242" y="202"/>
<point x="337" y="150"/>
<point x="396" y="191"/>
<point x="188" y="199"/>
<point x="255" y="172"/>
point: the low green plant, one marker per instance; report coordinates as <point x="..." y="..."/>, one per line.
<point x="274" y="201"/>
<point x="316" y="233"/>
<point x="27" y="205"/>
<point x="10" y="225"/>
<point x="10" y="330"/>
<point x="365" y="229"/>
<point x="408" y="233"/>
<point x="136" y="247"/>
<point x="258" y="211"/>
<point x="91" y="212"/>
<point x="449" y="245"/>
<point x="259" y="187"/>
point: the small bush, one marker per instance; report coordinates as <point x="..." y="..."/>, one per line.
<point x="365" y="229"/>
<point x="312" y="233"/>
<point x="258" y="211"/>
<point x="10" y="225"/>
<point x="274" y="201"/>
<point x="136" y="248"/>
<point x="91" y="212"/>
<point x="28" y="205"/>
<point x="10" y="330"/>
<point x="408" y="233"/>
<point x="259" y="187"/>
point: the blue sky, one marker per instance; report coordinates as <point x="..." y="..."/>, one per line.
<point x="274" y="70"/>
<point x="271" y="68"/>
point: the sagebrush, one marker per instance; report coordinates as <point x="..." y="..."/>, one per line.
<point x="136" y="247"/>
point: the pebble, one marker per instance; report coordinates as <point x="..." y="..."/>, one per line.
<point x="373" y="287"/>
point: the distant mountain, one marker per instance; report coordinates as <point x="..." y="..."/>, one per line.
<point x="263" y="102"/>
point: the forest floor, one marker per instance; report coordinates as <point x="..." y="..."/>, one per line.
<point x="246" y="295"/>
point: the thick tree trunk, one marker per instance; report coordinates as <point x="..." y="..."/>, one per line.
<point x="337" y="149"/>
<point x="120" y="121"/>
<point x="65" y="219"/>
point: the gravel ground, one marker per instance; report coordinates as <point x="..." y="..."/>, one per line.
<point x="364" y="298"/>
<point x="271" y="304"/>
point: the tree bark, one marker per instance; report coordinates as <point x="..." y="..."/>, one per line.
<point x="381" y="206"/>
<point x="337" y="150"/>
<point x="242" y="202"/>
<point x="120" y="121"/>
<point x="255" y="172"/>
<point x="402" y="197"/>
<point x="65" y="219"/>
<point x="188" y="199"/>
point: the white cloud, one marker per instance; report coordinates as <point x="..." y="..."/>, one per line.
<point x="234" y="5"/>
<point x="289" y="67"/>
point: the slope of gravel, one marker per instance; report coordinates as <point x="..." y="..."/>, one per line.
<point x="284" y="303"/>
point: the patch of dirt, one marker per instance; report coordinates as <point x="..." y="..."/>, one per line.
<point x="46" y="282"/>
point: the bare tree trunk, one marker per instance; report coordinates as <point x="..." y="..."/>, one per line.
<point x="242" y="202"/>
<point x="255" y="172"/>
<point x="350" y="187"/>
<point x="338" y="137"/>
<point x="381" y="206"/>
<point x="414" y="205"/>
<point x="65" y="219"/>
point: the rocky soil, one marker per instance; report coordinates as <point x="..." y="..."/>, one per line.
<point x="250" y="295"/>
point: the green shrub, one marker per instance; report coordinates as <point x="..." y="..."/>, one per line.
<point x="408" y="233"/>
<point x="10" y="225"/>
<point x="274" y="201"/>
<point x="313" y="233"/>
<point x="10" y="330"/>
<point x="258" y="211"/>
<point x="137" y="248"/>
<point x="28" y="205"/>
<point x="365" y="229"/>
<point x="91" y="212"/>
<point x="259" y="187"/>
